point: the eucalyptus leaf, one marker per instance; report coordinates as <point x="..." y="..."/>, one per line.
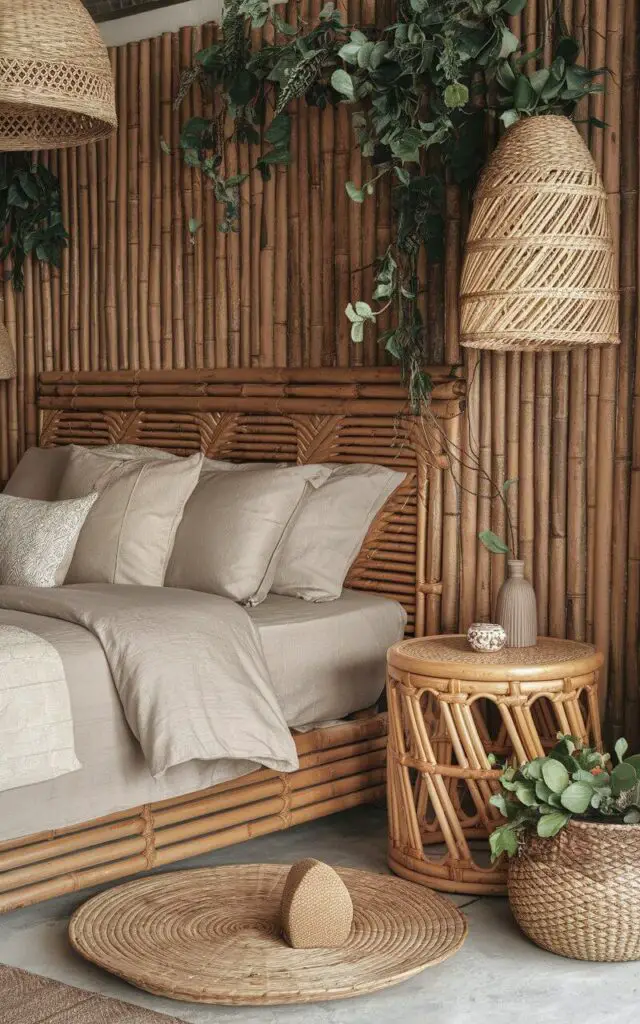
<point x="555" y="775"/>
<point x="576" y="797"/>
<point x="493" y="543"/>
<point x="355" y="193"/>
<point x="357" y="331"/>
<point x="526" y="794"/>
<point x="621" y="747"/>
<point x="550" y="824"/>
<point x="342" y="82"/>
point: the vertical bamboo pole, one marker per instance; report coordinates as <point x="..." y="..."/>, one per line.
<point x="167" y="163"/>
<point x="469" y="493"/>
<point x="199" y="253"/>
<point x="74" y="266"/>
<point x="154" y="205"/>
<point x="111" y="302"/>
<point x="576" y="499"/>
<point x="628" y="214"/>
<point x="558" y="496"/>
<point x="356" y="170"/>
<point x="84" y="254"/>
<point x="177" y="221"/>
<point x="294" y="296"/>
<point x="609" y="357"/>
<point x="452" y="275"/>
<point x="93" y="284"/>
<point x="341" y="241"/>
<point x="146" y="119"/>
<point x="542" y="481"/>
<point x="498" y="463"/>
<point x="208" y="242"/>
<point x="483" y="560"/>
<point x="526" y="522"/>
<point x="186" y="199"/>
<point x="122" y="253"/>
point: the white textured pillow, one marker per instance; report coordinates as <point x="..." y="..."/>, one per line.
<point x="329" y="530"/>
<point x="129" y="534"/>
<point x="233" y="527"/>
<point x="38" y="538"/>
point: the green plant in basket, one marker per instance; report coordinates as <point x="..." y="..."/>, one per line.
<point x="570" y="782"/>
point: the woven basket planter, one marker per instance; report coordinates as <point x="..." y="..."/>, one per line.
<point x="539" y="269"/>
<point x="578" y="894"/>
<point x="56" y="86"/>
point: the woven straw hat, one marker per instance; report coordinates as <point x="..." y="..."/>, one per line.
<point x="539" y="269"/>
<point x="56" y="85"/>
<point x="213" y="936"/>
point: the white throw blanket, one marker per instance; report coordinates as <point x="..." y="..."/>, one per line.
<point x="188" y="668"/>
<point x="36" y="729"/>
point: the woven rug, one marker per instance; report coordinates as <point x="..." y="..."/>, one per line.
<point x="30" y="999"/>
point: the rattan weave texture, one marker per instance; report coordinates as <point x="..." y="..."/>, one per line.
<point x="539" y="269"/>
<point x="56" y="83"/>
<point x="577" y="894"/>
<point x="213" y="936"/>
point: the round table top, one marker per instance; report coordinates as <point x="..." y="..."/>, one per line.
<point x="452" y="657"/>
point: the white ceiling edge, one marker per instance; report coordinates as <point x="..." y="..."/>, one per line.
<point x="153" y="23"/>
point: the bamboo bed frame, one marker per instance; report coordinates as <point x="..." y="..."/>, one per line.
<point x="327" y="415"/>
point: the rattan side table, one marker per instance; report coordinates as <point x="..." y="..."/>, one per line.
<point x="449" y="708"/>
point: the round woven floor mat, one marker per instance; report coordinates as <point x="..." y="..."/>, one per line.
<point x="212" y="935"/>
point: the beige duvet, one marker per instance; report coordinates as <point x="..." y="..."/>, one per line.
<point x="189" y="671"/>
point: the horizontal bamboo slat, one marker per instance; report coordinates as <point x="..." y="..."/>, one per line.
<point x="340" y="768"/>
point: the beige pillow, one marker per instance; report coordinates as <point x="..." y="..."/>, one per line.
<point x="129" y="534"/>
<point x="37" y="539"/>
<point x="329" y="530"/>
<point x="38" y="474"/>
<point x="233" y="527"/>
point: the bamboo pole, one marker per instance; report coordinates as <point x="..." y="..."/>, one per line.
<point x="621" y="642"/>
<point x="609" y="359"/>
<point x="145" y="197"/>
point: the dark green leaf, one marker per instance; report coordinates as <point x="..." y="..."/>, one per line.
<point x="514" y="6"/>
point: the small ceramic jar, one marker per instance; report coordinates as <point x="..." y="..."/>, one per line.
<point x="486" y="637"/>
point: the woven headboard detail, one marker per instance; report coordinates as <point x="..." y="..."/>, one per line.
<point x="328" y="415"/>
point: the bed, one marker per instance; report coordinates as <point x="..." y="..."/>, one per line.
<point x="326" y="660"/>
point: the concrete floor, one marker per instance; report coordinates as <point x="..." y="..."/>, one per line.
<point x="497" y="977"/>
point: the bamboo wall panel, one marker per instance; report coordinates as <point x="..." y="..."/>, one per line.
<point x="135" y="291"/>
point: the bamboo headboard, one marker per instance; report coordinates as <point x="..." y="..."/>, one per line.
<point x="324" y="415"/>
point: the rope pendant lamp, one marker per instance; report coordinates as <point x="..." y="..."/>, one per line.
<point x="539" y="270"/>
<point x="56" y="86"/>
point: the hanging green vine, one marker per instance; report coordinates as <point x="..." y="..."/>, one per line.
<point x="30" y="215"/>
<point x="421" y="84"/>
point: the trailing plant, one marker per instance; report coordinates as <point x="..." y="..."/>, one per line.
<point x="418" y="89"/>
<point x="542" y="795"/>
<point x="30" y="214"/>
<point x="491" y="541"/>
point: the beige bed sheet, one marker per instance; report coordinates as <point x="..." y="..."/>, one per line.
<point x="326" y="660"/>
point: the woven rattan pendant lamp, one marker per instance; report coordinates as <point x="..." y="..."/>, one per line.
<point x="539" y="269"/>
<point x="56" y="86"/>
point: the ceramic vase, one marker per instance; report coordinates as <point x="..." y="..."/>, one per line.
<point x="516" y="607"/>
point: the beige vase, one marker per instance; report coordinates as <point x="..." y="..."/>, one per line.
<point x="516" y="607"/>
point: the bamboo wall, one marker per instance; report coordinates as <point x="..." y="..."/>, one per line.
<point x="133" y="291"/>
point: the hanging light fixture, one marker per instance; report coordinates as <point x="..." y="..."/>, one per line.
<point x="56" y="85"/>
<point x="539" y="270"/>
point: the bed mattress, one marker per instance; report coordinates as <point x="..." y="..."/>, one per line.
<point x="326" y="660"/>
